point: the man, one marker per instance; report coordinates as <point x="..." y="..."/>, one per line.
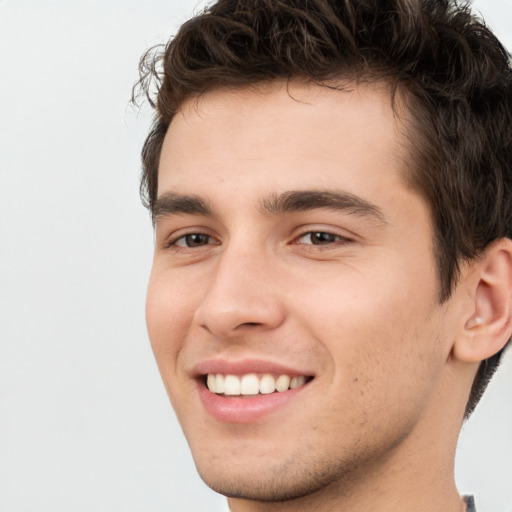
<point x="330" y="183"/>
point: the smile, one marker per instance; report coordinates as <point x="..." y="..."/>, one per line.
<point x="252" y="384"/>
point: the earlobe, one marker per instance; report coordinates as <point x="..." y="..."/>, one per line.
<point x="488" y="326"/>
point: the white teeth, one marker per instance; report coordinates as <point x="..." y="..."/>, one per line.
<point x="219" y="383"/>
<point x="251" y="383"/>
<point x="283" y="383"/>
<point x="267" y="384"/>
<point x="210" y="381"/>
<point x="231" y="385"/>
<point x="297" y="381"/>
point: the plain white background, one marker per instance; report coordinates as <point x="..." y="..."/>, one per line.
<point x="85" y="425"/>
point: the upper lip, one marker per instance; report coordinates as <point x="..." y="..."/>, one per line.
<point x="245" y="366"/>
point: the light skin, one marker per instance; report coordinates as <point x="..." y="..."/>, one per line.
<point x="287" y="240"/>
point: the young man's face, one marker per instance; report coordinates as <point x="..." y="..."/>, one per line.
<point x="288" y="243"/>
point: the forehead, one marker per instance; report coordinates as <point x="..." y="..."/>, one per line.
<point x="281" y="132"/>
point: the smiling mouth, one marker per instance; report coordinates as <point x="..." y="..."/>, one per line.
<point x="252" y="384"/>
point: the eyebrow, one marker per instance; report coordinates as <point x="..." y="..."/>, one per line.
<point x="305" y="200"/>
<point x="171" y="203"/>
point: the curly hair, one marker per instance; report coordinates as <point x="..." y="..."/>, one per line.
<point x="452" y="71"/>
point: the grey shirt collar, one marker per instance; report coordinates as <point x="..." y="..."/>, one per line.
<point x="470" y="504"/>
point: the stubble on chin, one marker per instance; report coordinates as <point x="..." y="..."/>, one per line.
<point x="296" y="478"/>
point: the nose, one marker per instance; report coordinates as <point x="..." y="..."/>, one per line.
<point x="242" y="296"/>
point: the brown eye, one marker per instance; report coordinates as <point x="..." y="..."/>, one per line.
<point x="319" y="238"/>
<point x="193" y="240"/>
<point x="323" y="238"/>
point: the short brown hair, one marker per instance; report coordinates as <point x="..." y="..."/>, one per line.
<point x="453" y="71"/>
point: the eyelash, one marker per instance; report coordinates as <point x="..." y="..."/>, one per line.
<point x="333" y="238"/>
<point x="174" y="242"/>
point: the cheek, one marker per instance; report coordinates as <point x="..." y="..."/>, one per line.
<point x="168" y="316"/>
<point x="381" y="334"/>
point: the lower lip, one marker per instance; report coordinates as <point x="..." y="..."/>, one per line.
<point x="244" y="410"/>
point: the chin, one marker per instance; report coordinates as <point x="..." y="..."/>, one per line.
<point x="289" y="480"/>
<point x="263" y="489"/>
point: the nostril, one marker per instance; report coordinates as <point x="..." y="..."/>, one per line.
<point x="248" y="326"/>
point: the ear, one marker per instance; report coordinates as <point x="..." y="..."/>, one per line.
<point x="487" y="324"/>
